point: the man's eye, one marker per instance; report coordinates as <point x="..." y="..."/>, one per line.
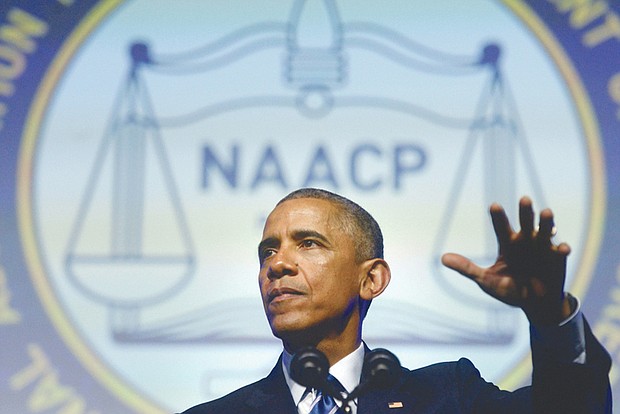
<point x="309" y="243"/>
<point x="264" y="254"/>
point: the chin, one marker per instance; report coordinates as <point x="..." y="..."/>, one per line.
<point x="281" y="330"/>
<point x="288" y="330"/>
<point x="298" y="335"/>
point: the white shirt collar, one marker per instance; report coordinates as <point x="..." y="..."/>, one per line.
<point x="348" y="371"/>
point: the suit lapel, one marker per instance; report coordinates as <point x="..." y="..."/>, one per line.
<point x="272" y="395"/>
<point x="391" y="402"/>
<point x="395" y="400"/>
<point x="379" y="402"/>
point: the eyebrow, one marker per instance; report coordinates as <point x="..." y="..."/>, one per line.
<point x="304" y="234"/>
<point x="297" y="235"/>
<point x="268" y="242"/>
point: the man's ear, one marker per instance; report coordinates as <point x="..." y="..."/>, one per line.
<point x="376" y="278"/>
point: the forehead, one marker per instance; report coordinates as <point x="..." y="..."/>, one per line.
<point x="307" y="213"/>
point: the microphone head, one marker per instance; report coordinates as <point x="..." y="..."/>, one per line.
<point x="310" y="367"/>
<point x="381" y="368"/>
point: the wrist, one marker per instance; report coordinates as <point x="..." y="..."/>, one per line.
<point x="551" y="314"/>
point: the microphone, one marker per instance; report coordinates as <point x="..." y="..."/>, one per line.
<point x="310" y="368"/>
<point x="381" y="370"/>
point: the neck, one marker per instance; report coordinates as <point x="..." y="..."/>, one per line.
<point x="335" y="352"/>
<point x="334" y="349"/>
<point x="336" y="338"/>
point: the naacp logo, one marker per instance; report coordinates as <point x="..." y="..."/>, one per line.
<point x="158" y="142"/>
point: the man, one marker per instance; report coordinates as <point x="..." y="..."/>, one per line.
<point x="321" y="265"/>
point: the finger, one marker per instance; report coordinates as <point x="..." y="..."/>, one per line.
<point x="501" y="225"/>
<point x="526" y="217"/>
<point x="545" y="226"/>
<point x="564" y="249"/>
<point x="462" y="265"/>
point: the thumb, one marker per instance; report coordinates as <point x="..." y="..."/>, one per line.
<point x="462" y="265"/>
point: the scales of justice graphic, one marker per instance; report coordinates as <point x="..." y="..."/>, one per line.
<point x="128" y="278"/>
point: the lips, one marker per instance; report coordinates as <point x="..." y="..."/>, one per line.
<point x="282" y="293"/>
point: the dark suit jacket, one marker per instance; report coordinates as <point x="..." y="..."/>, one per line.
<point x="451" y="388"/>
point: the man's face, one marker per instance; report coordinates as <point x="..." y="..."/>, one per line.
<point x="309" y="279"/>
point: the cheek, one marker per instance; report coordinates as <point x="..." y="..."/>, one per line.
<point x="262" y="284"/>
<point x="338" y="283"/>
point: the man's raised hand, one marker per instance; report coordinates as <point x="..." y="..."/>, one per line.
<point x="530" y="270"/>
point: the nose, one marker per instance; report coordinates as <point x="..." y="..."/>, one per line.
<point x="282" y="264"/>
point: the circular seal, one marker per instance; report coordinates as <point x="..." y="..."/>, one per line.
<point x="142" y="151"/>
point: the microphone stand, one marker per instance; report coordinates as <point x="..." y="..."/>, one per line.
<point x="346" y="404"/>
<point x="309" y="367"/>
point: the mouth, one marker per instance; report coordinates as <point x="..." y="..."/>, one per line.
<point x="282" y="293"/>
